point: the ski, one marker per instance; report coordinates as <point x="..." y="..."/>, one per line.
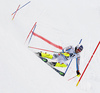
<point x="51" y="64"/>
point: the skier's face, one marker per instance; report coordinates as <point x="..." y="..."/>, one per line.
<point x="77" y="51"/>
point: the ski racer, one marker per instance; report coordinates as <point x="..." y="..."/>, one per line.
<point x="68" y="53"/>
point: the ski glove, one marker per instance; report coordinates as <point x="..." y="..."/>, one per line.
<point x="66" y="54"/>
<point x="78" y="73"/>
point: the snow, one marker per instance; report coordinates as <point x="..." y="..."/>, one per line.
<point x="63" y="22"/>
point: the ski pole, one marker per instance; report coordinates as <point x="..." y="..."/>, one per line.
<point x="43" y="49"/>
<point x="80" y="41"/>
<point x="68" y="66"/>
<point x="65" y="54"/>
<point x="72" y="77"/>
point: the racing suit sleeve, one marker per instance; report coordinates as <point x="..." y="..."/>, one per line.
<point x="77" y="63"/>
<point x="66" y="49"/>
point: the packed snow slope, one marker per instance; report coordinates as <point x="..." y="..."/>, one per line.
<point x="64" y="22"/>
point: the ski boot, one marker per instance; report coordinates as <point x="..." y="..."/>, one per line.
<point x="60" y="65"/>
<point x="57" y="64"/>
<point x="45" y="55"/>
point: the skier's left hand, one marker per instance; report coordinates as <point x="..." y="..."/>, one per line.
<point x="66" y="54"/>
<point x="78" y="73"/>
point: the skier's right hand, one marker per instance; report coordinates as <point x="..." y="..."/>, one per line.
<point x="78" y="73"/>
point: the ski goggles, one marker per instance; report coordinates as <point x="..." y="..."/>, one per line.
<point x="79" y="50"/>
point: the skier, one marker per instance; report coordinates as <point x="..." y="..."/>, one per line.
<point x="69" y="52"/>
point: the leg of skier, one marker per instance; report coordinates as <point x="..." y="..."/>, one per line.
<point x="59" y="57"/>
<point x="61" y="61"/>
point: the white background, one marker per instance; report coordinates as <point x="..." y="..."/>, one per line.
<point x="64" y="22"/>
